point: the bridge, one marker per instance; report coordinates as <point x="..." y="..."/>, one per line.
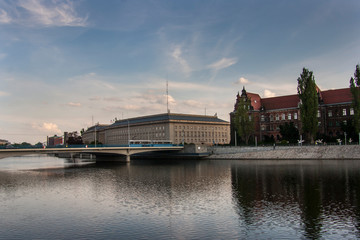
<point x="126" y="151"/>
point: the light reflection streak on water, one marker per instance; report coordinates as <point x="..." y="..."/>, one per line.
<point x="183" y="200"/>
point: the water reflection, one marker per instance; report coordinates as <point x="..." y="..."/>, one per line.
<point x="182" y="200"/>
<point x="320" y="199"/>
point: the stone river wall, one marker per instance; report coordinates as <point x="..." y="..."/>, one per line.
<point x="280" y="152"/>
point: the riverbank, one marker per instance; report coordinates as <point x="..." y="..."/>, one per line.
<point x="296" y="152"/>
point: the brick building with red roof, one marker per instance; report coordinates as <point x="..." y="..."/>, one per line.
<point x="269" y="113"/>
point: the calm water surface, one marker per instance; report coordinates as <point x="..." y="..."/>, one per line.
<point x="52" y="198"/>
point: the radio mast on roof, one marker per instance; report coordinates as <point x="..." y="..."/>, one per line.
<point x="167" y="96"/>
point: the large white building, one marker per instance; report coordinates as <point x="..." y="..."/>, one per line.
<point x="173" y="127"/>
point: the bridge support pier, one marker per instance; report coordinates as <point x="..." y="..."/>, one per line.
<point x="127" y="158"/>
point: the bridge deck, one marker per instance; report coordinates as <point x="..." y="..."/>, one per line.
<point x="126" y="151"/>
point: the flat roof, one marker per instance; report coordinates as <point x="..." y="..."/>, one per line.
<point x="169" y="117"/>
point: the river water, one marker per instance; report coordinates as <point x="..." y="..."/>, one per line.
<point x="44" y="197"/>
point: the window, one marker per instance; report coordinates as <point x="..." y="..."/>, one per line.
<point x="330" y="113"/>
<point x="262" y="118"/>
<point x="271" y="118"/>
<point x="318" y="114"/>
<point x="351" y="111"/>
<point x="344" y="112"/>
<point x="319" y="123"/>
<point x="295" y="116"/>
<point x="283" y="116"/>
<point x="262" y="127"/>
<point x="289" y="116"/>
<point x="277" y="117"/>
<point x="345" y="122"/>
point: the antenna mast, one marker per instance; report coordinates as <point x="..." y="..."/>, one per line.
<point x="167" y="96"/>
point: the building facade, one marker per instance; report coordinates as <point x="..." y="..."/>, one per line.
<point x="54" y="140"/>
<point x="4" y="142"/>
<point x="168" y="127"/>
<point x="334" y="111"/>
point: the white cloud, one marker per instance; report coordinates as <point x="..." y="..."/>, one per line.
<point x="72" y="104"/>
<point x="153" y="97"/>
<point x="131" y="107"/>
<point x="40" y="12"/>
<point x="4" y="17"/>
<point x="111" y="99"/>
<point x="50" y="128"/>
<point x="177" y="55"/>
<point x="2" y="94"/>
<point x="188" y="86"/>
<point x="92" y="80"/>
<point x="95" y="98"/>
<point x="193" y="103"/>
<point x="3" y="56"/>
<point x="268" y="93"/>
<point x="242" y="80"/>
<point x="223" y="63"/>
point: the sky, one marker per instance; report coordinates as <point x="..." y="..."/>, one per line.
<point x="66" y="65"/>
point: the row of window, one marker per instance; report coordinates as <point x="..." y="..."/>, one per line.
<point x="294" y="116"/>
<point x="344" y="112"/>
<point x="277" y="127"/>
<point x="200" y="134"/>
<point x="283" y="116"/>
<point x="199" y="127"/>
<point x="272" y="127"/>
<point x="197" y="140"/>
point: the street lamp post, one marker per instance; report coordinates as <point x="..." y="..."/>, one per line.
<point x="128" y="132"/>
<point x="345" y="137"/>
<point x="95" y="136"/>
<point x="235" y="139"/>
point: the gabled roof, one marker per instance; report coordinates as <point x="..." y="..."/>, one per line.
<point x="290" y="101"/>
<point x="255" y="100"/>
<point x="342" y="95"/>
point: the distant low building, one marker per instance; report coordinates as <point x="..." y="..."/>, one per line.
<point x="3" y="142"/>
<point x="54" y="140"/>
<point x="173" y="127"/>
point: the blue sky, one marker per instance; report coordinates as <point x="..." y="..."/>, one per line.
<point x="67" y="64"/>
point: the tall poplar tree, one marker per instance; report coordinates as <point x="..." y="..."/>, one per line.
<point x="355" y="91"/>
<point x="244" y="123"/>
<point x="309" y="104"/>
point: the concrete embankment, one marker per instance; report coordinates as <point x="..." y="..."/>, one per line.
<point x="280" y="152"/>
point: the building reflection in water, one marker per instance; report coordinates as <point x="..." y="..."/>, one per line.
<point x="314" y="197"/>
<point x="183" y="200"/>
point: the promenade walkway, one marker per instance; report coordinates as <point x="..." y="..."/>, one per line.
<point x="281" y="152"/>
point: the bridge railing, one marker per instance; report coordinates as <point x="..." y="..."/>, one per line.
<point x="93" y="146"/>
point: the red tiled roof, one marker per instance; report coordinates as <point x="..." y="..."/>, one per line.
<point x="336" y="96"/>
<point x="290" y="101"/>
<point x="255" y="100"/>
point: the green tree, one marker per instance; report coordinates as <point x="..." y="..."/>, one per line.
<point x="289" y="132"/>
<point x="355" y="91"/>
<point x="309" y="104"/>
<point x="244" y="123"/>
